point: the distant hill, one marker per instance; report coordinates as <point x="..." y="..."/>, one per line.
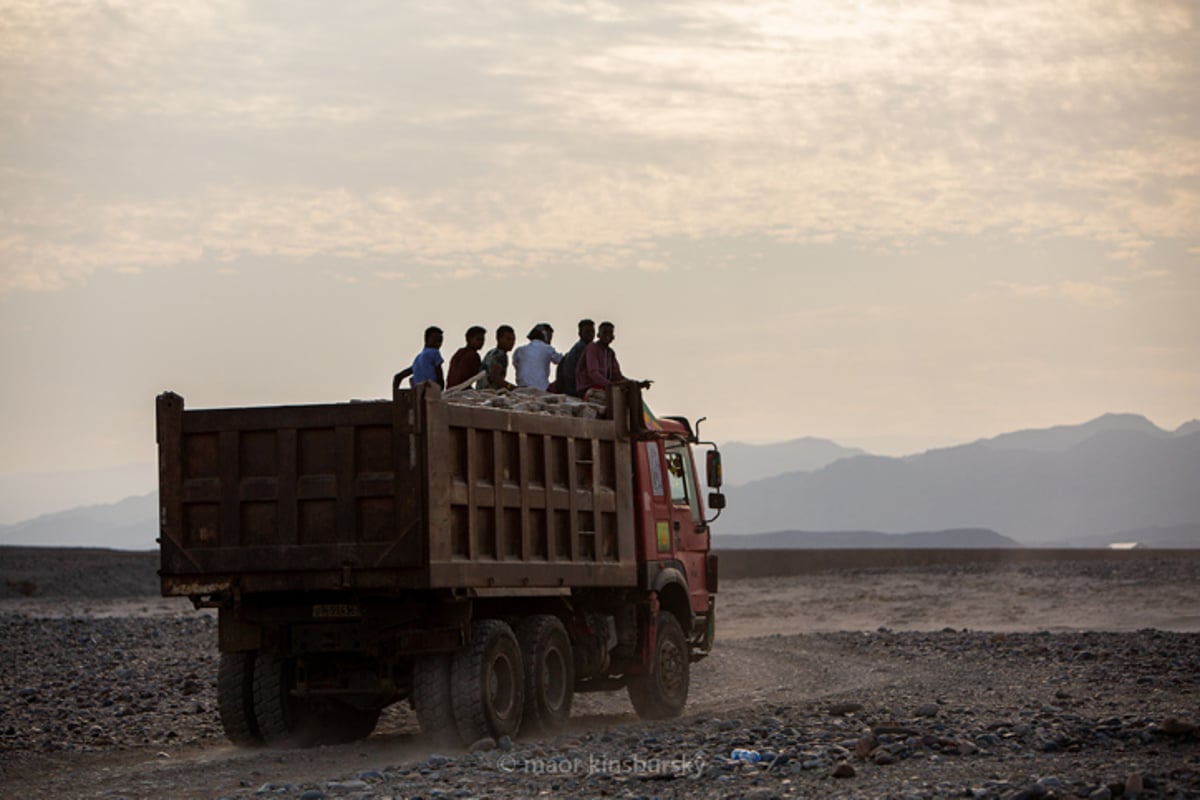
<point x="1061" y="438"/>
<point x="31" y="494"/>
<point x="743" y="463"/>
<point x="129" y="524"/>
<point x="1114" y="480"/>
<point x="1188" y="428"/>
<point x="787" y="540"/>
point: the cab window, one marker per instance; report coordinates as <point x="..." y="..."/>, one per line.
<point x="681" y="479"/>
<point x="677" y="477"/>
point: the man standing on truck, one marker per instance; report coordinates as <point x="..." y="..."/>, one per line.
<point x="465" y="363"/>
<point x="533" y="360"/>
<point x="565" y="379"/>
<point x="599" y="368"/>
<point x="496" y="360"/>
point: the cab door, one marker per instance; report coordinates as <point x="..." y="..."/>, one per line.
<point x="689" y="533"/>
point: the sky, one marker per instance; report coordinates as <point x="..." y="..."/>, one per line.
<point x="893" y="224"/>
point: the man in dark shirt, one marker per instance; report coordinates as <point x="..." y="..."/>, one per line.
<point x="598" y="368"/>
<point x="465" y="363"/>
<point x="565" y="378"/>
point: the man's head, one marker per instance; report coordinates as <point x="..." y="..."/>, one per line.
<point x="547" y="331"/>
<point x="587" y="330"/>
<point x="433" y="337"/>
<point x="476" y="336"/>
<point x="606" y="333"/>
<point x="506" y="337"/>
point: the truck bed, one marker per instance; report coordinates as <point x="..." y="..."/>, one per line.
<point x="388" y="496"/>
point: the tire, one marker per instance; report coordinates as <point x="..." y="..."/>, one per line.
<point x="282" y="720"/>
<point x="431" y="699"/>
<point x="662" y="693"/>
<point x="235" y="698"/>
<point x="487" y="683"/>
<point x="549" y="666"/>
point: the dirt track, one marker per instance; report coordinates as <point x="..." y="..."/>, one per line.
<point x="115" y="698"/>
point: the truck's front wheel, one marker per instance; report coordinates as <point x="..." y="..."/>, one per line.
<point x="487" y="684"/>
<point x="662" y="693"/>
<point x="235" y="698"/>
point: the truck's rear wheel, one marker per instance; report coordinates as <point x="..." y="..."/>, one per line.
<point x="235" y="698"/>
<point x="662" y="693"/>
<point x="431" y="698"/>
<point x="487" y="683"/>
<point x="281" y="718"/>
<point x="549" y="667"/>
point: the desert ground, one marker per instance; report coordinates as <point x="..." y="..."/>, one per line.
<point x="978" y="676"/>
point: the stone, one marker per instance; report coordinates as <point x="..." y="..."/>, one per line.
<point x="882" y="757"/>
<point x="313" y="794"/>
<point x="761" y="794"/>
<point x="844" y="770"/>
<point x="347" y="786"/>
<point x="483" y="745"/>
<point x="1133" y="785"/>
<point x="1177" y="727"/>
<point x="928" y="710"/>
<point x="504" y="744"/>
<point x="1103" y="793"/>
<point x="864" y="746"/>
<point x="842" y="709"/>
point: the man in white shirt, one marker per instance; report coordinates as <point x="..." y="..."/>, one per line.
<point x="533" y="360"/>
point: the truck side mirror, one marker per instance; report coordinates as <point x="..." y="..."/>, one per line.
<point x="712" y="468"/>
<point x="716" y="501"/>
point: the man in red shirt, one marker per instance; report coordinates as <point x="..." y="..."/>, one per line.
<point x="465" y="363"/>
<point x="598" y="368"/>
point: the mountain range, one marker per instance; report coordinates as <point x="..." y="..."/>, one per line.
<point x="1117" y="473"/>
<point x="129" y="524"/>
<point x="743" y="463"/>
<point x="1117" y="478"/>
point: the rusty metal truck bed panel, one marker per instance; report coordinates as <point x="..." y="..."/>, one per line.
<point x="385" y="496"/>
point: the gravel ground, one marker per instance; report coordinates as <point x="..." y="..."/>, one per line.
<point x="125" y="707"/>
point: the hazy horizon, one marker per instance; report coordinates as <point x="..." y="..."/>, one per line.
<point x="911" y="225"/>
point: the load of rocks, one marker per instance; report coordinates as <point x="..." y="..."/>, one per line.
<point x="527" y="400"/>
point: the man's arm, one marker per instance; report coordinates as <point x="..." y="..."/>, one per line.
<point x="619" y="376"/>
<point x="400" y="376"/>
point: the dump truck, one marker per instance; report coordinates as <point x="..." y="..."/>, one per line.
<point x="481" y="563"/>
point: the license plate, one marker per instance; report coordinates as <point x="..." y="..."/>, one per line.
<point x="336" y="611"/>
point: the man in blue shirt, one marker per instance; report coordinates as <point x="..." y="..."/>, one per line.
<point x="427" y="366"/>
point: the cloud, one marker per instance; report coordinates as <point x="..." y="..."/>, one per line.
<point x="650" y="265"/>
<point x="1026" y="289"/>
<point x="1092" y="295"/>
<point x="1089" y="294"/>
<point x="135" y="135"/>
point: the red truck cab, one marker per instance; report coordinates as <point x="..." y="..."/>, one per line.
<point x="673" y="531"/>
